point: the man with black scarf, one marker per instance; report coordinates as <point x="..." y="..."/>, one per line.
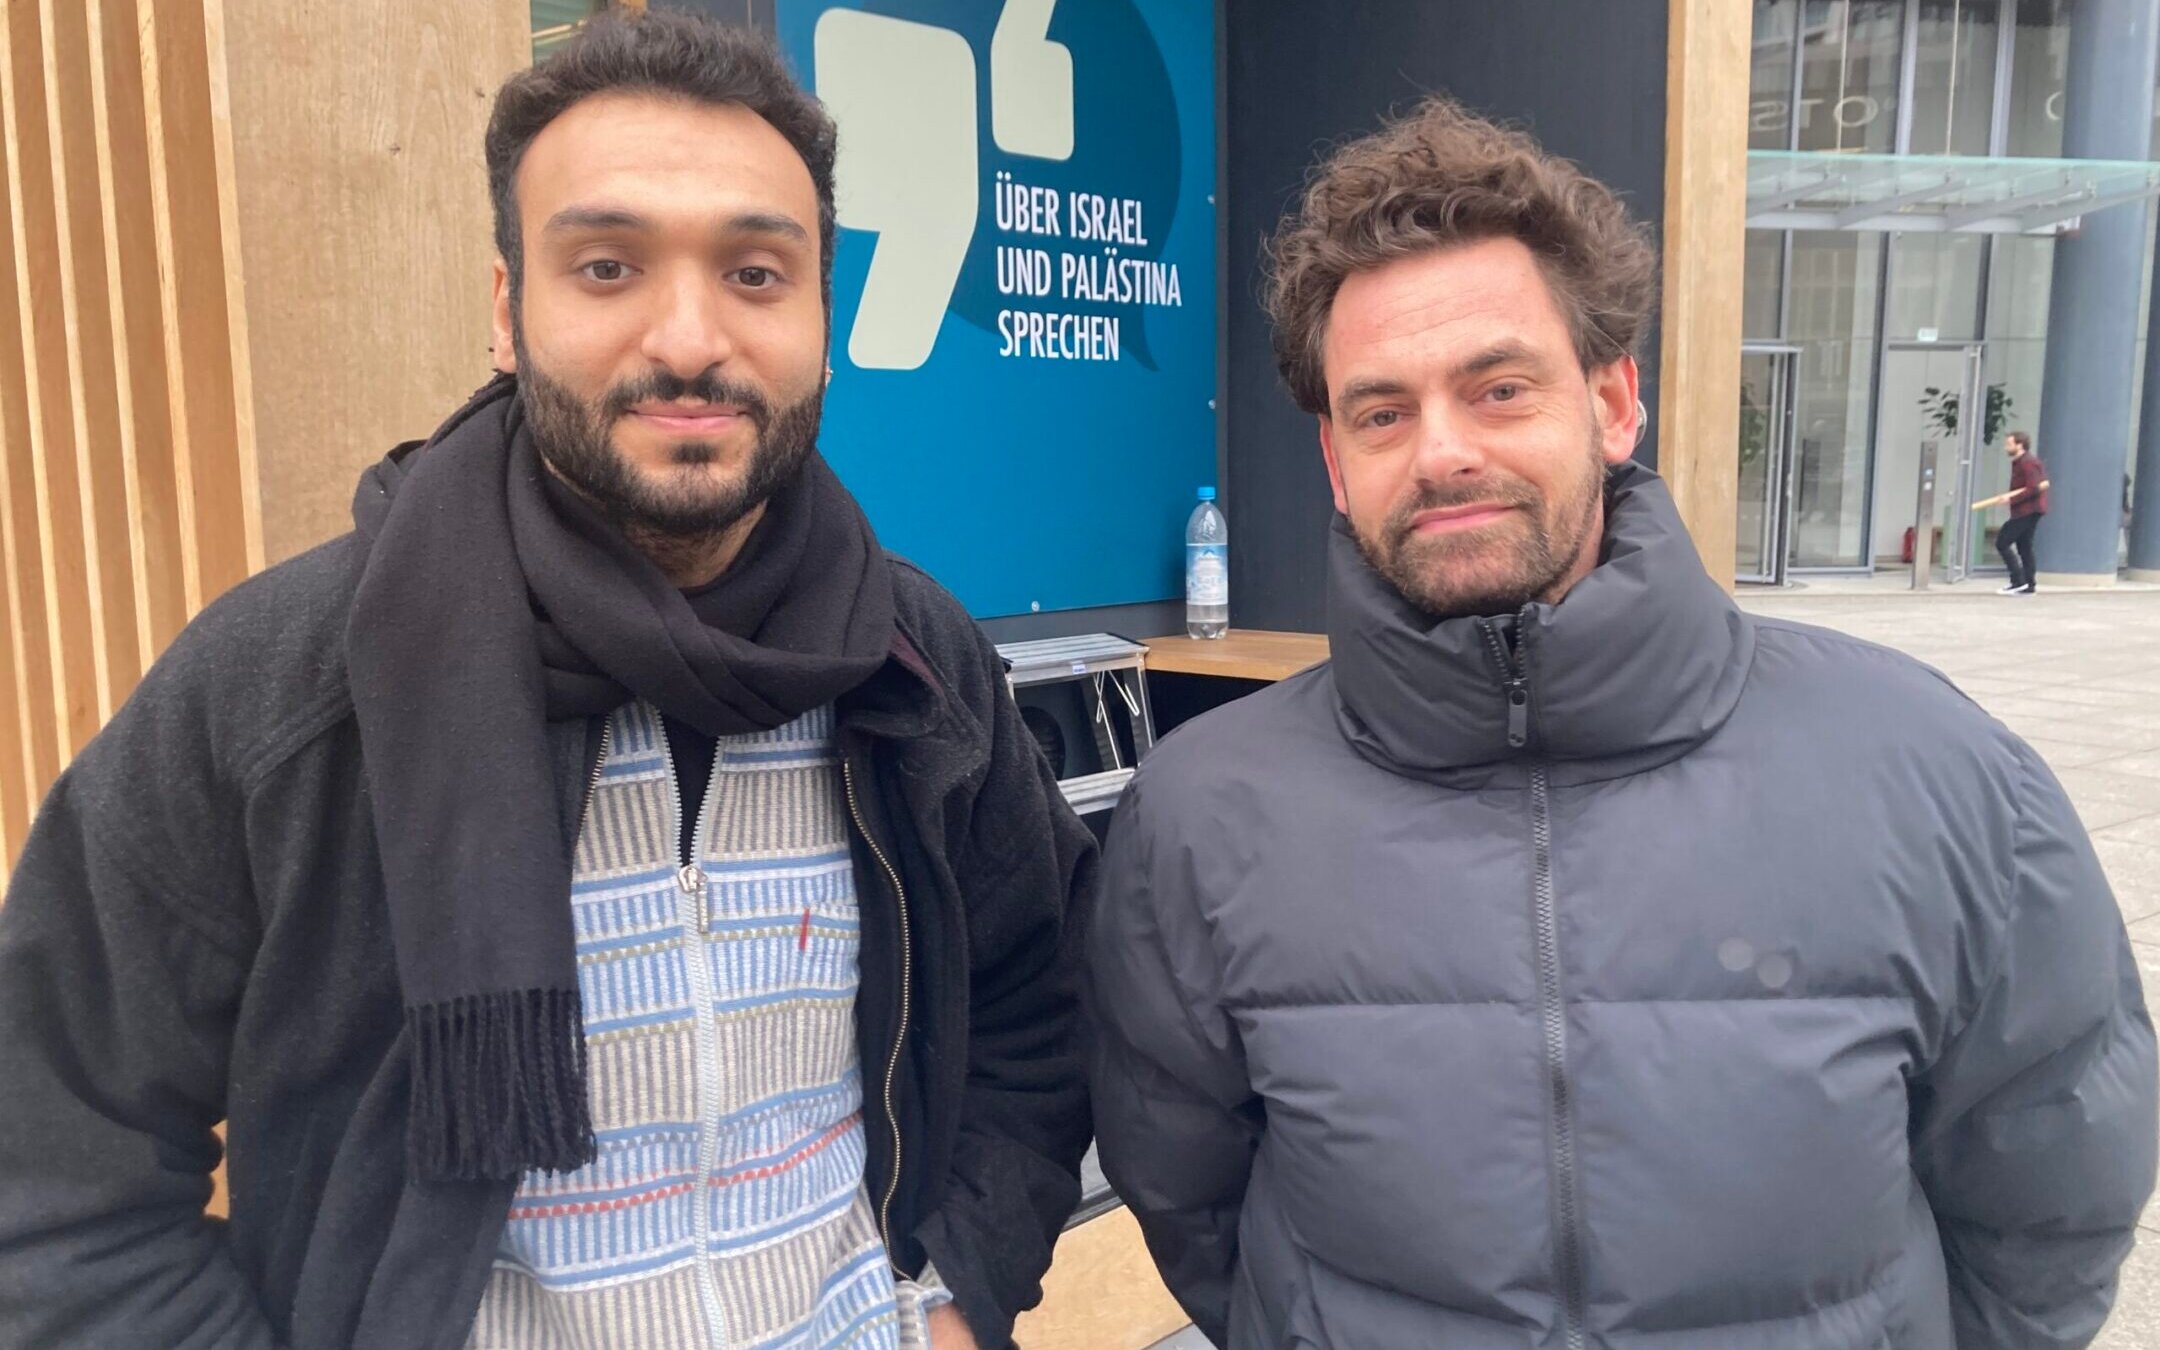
<point x="608" y="900"/>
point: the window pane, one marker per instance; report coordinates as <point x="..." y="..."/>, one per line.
<point x="1954" y="77"/>
<point x="1834" y="286"/>
<point x="2038" y="61"/>
<point x="1765" y="269"/>
<point x="1849" y="74"/>
<point x="1934" y="285"/>
<point x="1770" y="85"/>
<point x="553" y="21"/>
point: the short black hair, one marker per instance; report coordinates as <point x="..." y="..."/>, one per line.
<point x="673" y="55"/>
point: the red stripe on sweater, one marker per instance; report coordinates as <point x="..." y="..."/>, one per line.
<point x="568" y="1209"/>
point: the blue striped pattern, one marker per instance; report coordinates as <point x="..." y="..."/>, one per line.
<point x="727" y="1206"/>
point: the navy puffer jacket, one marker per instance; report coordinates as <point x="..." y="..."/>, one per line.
<point x="1629" y="972"/>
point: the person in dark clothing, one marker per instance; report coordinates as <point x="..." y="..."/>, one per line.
<point x="2028" y="502"/>
<point x="1575" y="960"/>
<point x="608" y="900"/>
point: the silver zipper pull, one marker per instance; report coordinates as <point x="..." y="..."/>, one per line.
<point x="691" y="878"/>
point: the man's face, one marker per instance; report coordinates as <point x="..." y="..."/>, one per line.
<point x="669" y="329"/>
<point x="1465" y="443"/>
<point x="2013" y="447"/>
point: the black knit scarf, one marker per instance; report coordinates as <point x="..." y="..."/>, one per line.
<point x="492" y="601"/>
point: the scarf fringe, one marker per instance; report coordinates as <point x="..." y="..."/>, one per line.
<point x="498" y="1086"/>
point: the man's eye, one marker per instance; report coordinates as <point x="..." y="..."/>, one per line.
<point x="1384" y="418"/>
<point x="1505" y="393"/>
<point x="756" y="278"/>
<point x="605" y="270"/>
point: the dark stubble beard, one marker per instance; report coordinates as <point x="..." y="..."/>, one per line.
<point x="684" y="515"/>
<point x="1449" y="576"/>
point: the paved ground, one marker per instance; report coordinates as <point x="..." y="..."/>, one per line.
<point x="2077" y="675"/>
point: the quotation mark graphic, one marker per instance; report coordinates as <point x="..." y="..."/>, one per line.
<point x="904" y="95"/>
<point x="1031" y="83"/>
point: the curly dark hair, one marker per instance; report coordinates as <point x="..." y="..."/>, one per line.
<point x="1442" y="176"/>
<point x="674" y="55"/>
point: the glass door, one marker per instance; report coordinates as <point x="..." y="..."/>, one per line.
<point x="1925" y="409"/>
<point x="1766" y="421"/>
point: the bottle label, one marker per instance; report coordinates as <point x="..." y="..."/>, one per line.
<point x="1207" y="574"/>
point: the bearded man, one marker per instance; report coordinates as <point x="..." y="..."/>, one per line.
<point x="1575" y="960"/>
<point x="609" y="901"/>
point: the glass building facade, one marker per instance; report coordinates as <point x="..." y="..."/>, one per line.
<point x="1861" y="344"/>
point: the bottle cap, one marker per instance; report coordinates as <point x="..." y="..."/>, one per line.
<point x="1207" y="494"/>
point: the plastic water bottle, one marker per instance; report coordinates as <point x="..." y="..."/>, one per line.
<point x="1207" y="569"/>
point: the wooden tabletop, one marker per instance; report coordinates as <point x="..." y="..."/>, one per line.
<point x="1240" y="654"/>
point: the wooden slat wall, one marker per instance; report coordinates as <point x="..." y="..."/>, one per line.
<point x="124" y="504"/>
<point x="244" y="249"/>
<point x="62" y="547"/>
<point x="213" y="460"/>
<point x="138" y="324"/>
<point x="29" y="748"/>
<point x="86" y="320"/>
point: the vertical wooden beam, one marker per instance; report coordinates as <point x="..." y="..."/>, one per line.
<point x="376" y="164"/>
<point x="16" y="771"/>
<point x="219" y="542"/>
<point x="29" y="726"/>
<point x="138" y="336"/>
<point x="1706" y="104"/>
<point x="63" y="551"/>
<point x="86" y="319"/>
<point x="247" y="467"/>
<point x="14" y="805"/>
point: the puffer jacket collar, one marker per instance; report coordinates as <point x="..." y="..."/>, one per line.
<point x="1643" y="660"/>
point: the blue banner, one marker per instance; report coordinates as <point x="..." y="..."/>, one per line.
<point x="1024" y="290"/>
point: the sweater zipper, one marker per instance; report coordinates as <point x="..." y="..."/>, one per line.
<point x="1552" y="1008"/>
<point x="592" y="785"/>
<point x="690" y="880"/>
<point x="907" y="963"/>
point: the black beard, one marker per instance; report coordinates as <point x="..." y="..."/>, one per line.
<point x="1425" y="571"/>
<point x="667" y="520"/>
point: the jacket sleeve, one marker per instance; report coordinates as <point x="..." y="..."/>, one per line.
<point x="1176" y="1119"/>
<point x="1025" y="867"/>
<point x="118" y="991"/>
<point x="2034" y="1133"/>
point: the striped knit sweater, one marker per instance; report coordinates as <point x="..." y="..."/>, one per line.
<point x="727" y="1206"/>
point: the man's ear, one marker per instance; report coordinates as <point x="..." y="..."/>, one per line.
<point x="504" y="350"/>
<point x="1616" y="395"/>
<point x="1334" y="463"/>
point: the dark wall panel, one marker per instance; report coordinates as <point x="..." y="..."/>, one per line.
<point x="1587" y="77"/>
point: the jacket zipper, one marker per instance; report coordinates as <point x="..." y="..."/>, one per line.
<point x="907" y="964"/>
<point x="1552" y="1008"/>
<point x="1513" y="683"/>
<point x="592" y="785"/>
<point x="690" y="880"/>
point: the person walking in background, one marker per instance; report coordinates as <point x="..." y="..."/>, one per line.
<point x="2028" y="502"/>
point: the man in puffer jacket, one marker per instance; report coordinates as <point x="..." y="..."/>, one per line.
<point x="1575" y="960"/>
